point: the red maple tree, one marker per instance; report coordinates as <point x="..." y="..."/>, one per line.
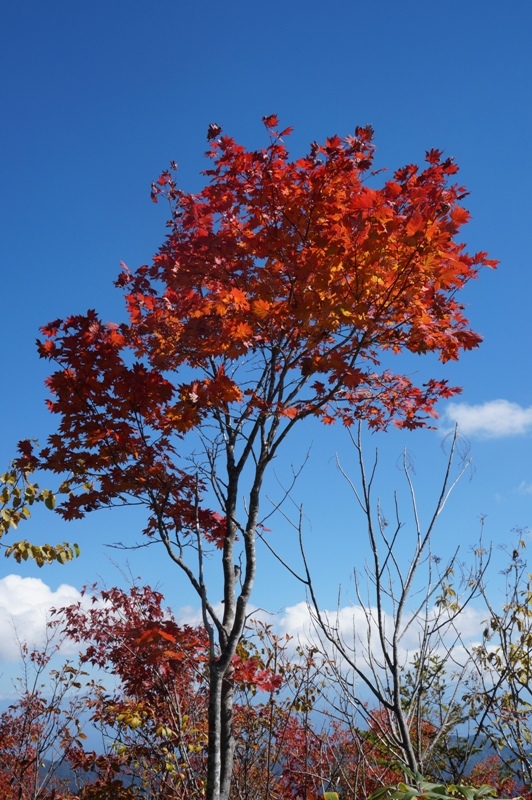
<point x="279" y="291"/>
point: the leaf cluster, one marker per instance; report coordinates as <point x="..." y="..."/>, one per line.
<point x="17" y="496"/>
<point x="419" y="787"/>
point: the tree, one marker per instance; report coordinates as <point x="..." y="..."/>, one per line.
<point x="493" y="772"/>
<point x="153" y="720"/>
<point x="280" y="288"/>
<point x="41" y="731"/>
<point x="406" y="595"/>
<point x="503" y="688"/>
<point x="444" y="720"/>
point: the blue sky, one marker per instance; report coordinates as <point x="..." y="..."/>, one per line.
<point x="98" y="98"/>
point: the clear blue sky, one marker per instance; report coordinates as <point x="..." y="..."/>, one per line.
<point x="98" y="97"/>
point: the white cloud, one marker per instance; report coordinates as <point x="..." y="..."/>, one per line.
<point x="352" y="624"/>
<point x="25" y="604"/>
<point x="24" y="610"/>
<point x="493" y="419"/>
<point x="524" y="488"/>
<point x="191" y="615"/>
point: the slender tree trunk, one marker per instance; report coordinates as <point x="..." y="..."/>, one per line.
<point x="236" y="597"/>
<point x="214" y="754"/>
<point x="227" y="739"/>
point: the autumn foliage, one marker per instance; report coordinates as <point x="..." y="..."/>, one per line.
<point x="285" y="289"/>
<point x="143" y="684"/>
<point x="280" y="291"/>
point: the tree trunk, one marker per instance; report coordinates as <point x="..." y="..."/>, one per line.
<point x="227" y="739"/>
<point x="214" y="753"/>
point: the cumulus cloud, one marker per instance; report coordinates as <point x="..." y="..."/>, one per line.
<point x="490" y="420"/>
<point x="354" y="624"/>
<point x="24" y="611"/>
<point x="25" y="605"/>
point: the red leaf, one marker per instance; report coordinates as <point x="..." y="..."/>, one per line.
<point x="270" y="121"/>
<point x="213" y="131"/>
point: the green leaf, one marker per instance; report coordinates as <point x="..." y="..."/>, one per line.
<point x="49" y="501"/>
